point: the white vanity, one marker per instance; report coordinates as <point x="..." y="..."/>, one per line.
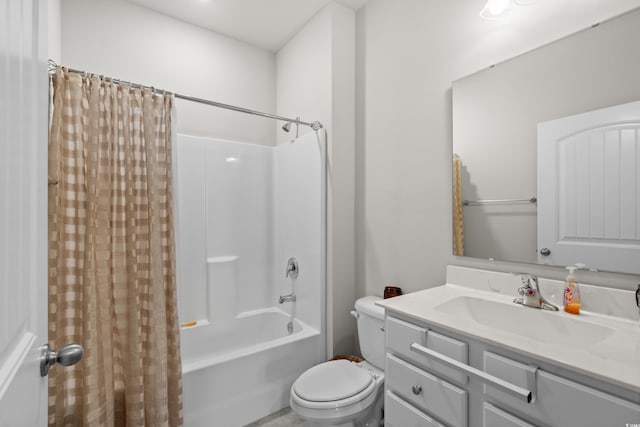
<point x="463" y="354"/>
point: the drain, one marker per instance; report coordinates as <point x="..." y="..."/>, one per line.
<point x="290" y="327"/>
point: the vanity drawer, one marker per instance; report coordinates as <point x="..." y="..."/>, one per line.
<point x="398" y="413"/>
<point x="427" y="392"/>
<point x="495" y="417"/>
<point x="401" y="334"/>
<point x="557" y="400"/>
<point x="512" y="371"/>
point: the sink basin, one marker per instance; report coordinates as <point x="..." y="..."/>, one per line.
<point x="538" y="325"/>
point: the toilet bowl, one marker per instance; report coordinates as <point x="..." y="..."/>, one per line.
<point x="345" y="393"/>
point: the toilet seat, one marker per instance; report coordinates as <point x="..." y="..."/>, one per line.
<point x="332" y="381"/>
<point x="358" y="382"/>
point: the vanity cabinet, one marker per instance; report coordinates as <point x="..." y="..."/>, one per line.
<point x="437" y="377"/>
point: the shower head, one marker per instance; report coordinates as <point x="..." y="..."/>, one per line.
<point x="287" y="127"/>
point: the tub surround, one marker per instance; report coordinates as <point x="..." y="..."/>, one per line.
<point x="606" y="347"/>
<point x="243" y="210"/>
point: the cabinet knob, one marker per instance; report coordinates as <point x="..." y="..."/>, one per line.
<point x="417" y="389"/>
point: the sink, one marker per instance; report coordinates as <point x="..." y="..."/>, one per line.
<point x="538" y="325"/>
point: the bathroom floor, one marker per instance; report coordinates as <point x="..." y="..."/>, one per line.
<point x="283" y="418"/>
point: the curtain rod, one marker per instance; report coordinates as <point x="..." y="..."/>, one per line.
<point x="52" y="66"/>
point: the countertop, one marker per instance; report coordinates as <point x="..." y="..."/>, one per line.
<point x="614" y="359"/>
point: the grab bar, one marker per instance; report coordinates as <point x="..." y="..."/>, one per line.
<point x="486" y="378"/>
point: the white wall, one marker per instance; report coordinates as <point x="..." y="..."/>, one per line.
<point x="303" y="76"/>
<point x="403" y="155"/>
<point x="125" y="41"/>
<point x="316" y="81"/>
<point x="409" y="52"/>
<point x="54" y="30"/>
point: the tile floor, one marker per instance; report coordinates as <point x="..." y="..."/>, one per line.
<point x="283" y="418"/>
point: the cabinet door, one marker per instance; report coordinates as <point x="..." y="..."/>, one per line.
<point x="569" y="404"/>
<point x="495" y="417"/>
<point x="398" y="413"/>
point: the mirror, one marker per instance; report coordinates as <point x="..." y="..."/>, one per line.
<point x="496" y="113"/>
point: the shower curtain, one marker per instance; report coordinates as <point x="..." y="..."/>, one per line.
<point x="112" y="285"/>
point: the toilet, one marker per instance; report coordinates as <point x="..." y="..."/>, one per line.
<point x="344" y="393"/>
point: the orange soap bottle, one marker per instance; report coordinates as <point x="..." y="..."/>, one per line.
<point x="571" y="295"/>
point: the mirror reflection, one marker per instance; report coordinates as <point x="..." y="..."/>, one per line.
<point x="591" y="172"/>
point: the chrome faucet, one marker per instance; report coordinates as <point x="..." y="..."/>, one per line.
<point x="287" y="298"/>
<point x="292" y="268"/>
<point x="530" y="293"/>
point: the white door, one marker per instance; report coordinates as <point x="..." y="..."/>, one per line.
<point x="23" y="215"/>
<point x="589" y="189"/>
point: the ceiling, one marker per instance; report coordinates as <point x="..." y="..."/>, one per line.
<point x="268" y="24"/>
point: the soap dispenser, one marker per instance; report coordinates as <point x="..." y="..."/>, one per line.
<point x="571" y="295"/>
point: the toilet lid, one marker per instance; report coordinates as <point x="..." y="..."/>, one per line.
<point x="334" y="380"/>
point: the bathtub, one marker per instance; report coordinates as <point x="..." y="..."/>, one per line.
<point x="241" y="370"/>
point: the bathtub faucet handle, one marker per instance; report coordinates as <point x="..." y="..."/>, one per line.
<point x="292" y="268"/>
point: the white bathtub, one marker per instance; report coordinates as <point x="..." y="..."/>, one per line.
<point x="240" y="371"/>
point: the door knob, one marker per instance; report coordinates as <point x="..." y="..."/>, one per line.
<point x="545" y="251"/>
<point x="66" y="356"/>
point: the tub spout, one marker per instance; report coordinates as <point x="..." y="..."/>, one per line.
<point x="287" y="298"/>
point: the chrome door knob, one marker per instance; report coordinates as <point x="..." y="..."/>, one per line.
<point x="545" y="251"/>
<point x="66" y="356"/>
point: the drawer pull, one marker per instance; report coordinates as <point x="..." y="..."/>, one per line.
<point x="417" y="389"/>
<point x="489" y="379"/>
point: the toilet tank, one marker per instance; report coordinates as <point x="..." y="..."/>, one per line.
<point x="371" y="330"/>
